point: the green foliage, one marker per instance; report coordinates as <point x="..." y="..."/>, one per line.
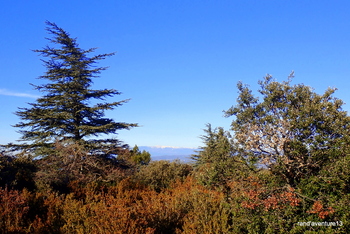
<point x="333" y="181"/>
<point x="257" y="204"/>
<point x="138" y="157"/>
<point x="330" y="191"/>
<point x="217" y="162"/>
<point x="293" y="130"/>
<point x="160" y="174"/>
<point x="217" y="146"/>
<point x="300" y="137"/>
<point x="64" y="111"/>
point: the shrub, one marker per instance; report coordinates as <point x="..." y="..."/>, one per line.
<point x="160" y="174"/>
<point x="13" y="210"/>
<point x="17" y="172"/>
<point x="72" y="162"/>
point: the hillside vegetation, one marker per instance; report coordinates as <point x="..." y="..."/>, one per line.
<point x="283" y="167"/>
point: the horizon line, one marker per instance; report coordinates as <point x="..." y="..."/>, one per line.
<point x="172" y="147"/>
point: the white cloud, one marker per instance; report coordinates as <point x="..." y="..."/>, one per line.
<point x="15" y="94"/>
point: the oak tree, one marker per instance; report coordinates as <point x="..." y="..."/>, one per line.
<point x="291" y="128"/>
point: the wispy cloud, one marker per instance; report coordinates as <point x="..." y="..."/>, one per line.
<point x="16" y="94"/>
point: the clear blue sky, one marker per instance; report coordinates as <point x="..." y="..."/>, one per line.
<point x="178" y="61"/>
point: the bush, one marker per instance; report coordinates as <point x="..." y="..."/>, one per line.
<point x="17" y="172"/>
<point x="72" y="162"/>
<point x="13" y="210"/>
<point x="160" y="174"/>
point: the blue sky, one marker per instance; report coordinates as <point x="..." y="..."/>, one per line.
<point x="178" y="61"/>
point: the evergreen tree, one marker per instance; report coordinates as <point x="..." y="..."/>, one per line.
<point x="218" y="162"/>
<point x="64" y="112"/>
<point x="217" y="146"/>
<point x="139" y="157"/>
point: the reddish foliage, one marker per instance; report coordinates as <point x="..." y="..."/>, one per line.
<point x="256" y="195"/>
<point x="318" y="208"/>
<point x="13" y="208"/>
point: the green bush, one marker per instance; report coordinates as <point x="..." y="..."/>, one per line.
<point x="160" y="174"/>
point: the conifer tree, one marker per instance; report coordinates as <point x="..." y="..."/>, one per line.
<point x="218" y="161"/>
<point x="217" y="146"/>
<point x="139" y="157"/>
<point x="64" y="112"/>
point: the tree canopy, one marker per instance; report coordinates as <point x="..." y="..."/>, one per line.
<point x="291" y="127"/>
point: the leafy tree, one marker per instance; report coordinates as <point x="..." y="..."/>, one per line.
<point x="292" y="130"/>
<point x="64" y="112"/>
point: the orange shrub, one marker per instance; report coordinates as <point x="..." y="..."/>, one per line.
<point x="203" y="210"/>
<point x="124" y="208"/>
<point x="13" y="209"/>
<point x="320" y="210"/>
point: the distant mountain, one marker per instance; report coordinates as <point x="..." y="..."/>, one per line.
<point x="169" y="153"/>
